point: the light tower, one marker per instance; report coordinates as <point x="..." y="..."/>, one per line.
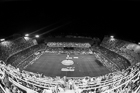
<point x="112" y="38"/>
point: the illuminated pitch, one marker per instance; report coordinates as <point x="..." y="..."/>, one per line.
<point x="52" y="64"/>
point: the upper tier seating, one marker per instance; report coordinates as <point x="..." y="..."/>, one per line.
<point x="9" y="48"/>
<point x="29" y="60"/>
<point x="107" y="63"/>
<point x="119" y="47"/>
<point x="121" y="62"/>
<point x="21" y="56"/>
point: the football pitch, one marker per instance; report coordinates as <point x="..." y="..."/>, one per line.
<point x="50" y="64"/>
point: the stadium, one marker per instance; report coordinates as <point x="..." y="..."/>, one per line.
<point x="81" y="49"/>
<point x="69" y="64"/>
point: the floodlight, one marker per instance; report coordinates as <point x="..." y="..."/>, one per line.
<point x="2" y="40"/>
<point x="112" y="38"/>
<point x="26" y="38"/>
<point x="37" y="36"/>
<point x="26" y="35"/>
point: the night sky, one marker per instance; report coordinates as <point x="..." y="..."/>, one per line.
<point x="20" y="17"/>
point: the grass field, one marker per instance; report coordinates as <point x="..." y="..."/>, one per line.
<point x="50" y="65"/>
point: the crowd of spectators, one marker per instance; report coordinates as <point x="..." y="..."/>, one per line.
<point x="119" y="47"/>
<point x="114" y="57"/>
<point x="115" y="82"/>
<point x="134" y="56"/>
<point x="9" y="48"/>
<point x="29" y="60"/>
<point x="71" y="51"/>
<point x="23" y="55"/>
<point x="64" y="44"/>
<point x="107" y="63"/>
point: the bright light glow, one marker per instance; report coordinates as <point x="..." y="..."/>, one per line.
<point x="26" y="35"/>
<point x="112" y="38"/>
<point x="26" y="38"/>
<point x="2" y="40"/>
<point x="37" y="36"/>
<point x="6" y="43"/>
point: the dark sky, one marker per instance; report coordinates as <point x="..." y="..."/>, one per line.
<point x="122" y="21"/>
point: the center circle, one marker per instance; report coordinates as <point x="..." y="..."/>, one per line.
<point x="67" y="62"/>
